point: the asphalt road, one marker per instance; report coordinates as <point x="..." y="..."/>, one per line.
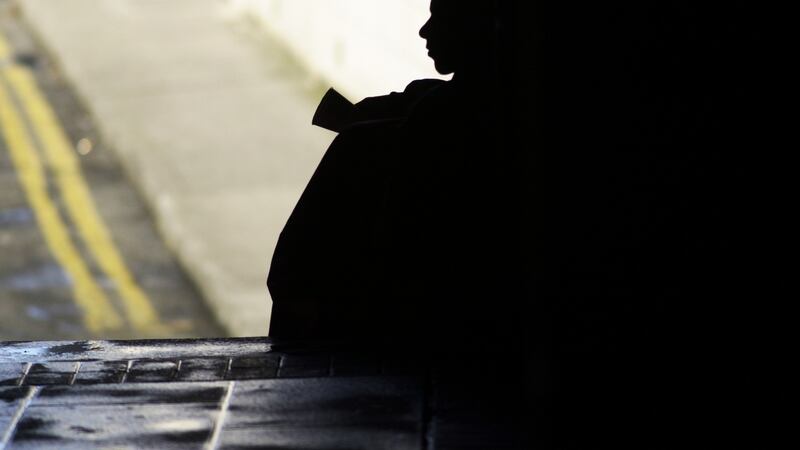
<point x="80" y="257"/>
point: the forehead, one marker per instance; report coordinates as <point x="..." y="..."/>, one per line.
<point x="444" y="6"/>
<point x="459" y="8"/>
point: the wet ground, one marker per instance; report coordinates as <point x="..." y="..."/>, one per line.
<point x="79" y="253"/>
<point x="255" y="394"/>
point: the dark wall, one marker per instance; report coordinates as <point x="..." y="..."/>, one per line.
<point x="632" y="122"/>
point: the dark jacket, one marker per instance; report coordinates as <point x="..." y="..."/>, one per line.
<point x="401" y="228"/>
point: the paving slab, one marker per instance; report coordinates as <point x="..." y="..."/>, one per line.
<point x="254" y="393"/>
<point x="211" y="122"/>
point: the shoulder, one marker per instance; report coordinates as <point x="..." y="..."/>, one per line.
<point x="396" y="106"/>
<point x="420" y="88"/>
<point x="336" y="113"/>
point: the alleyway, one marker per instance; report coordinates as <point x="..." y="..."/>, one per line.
<point x="79" y="253"/>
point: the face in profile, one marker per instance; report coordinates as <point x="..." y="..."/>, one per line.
<point x="455" y="33"/>
<point x="441" y="35"/>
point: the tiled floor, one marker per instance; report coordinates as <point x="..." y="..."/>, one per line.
<point x="245" y="393"/>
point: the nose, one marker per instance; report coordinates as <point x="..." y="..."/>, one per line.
<point x="423" y="32"/>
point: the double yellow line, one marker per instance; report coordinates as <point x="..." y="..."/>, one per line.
<point x="18" y="83"/>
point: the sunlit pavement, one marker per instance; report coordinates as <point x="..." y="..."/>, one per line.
<point x="79" y="254"/>
<point x="210" y="122"/>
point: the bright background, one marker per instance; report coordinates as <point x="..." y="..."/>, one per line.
<point x="361" y="47"/>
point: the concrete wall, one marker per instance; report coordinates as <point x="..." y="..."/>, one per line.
<point x="361" y="47"/>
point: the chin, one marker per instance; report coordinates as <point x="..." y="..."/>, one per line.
<point x="443" y="69"/>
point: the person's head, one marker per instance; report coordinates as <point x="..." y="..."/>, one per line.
<point x="459" y="34"/>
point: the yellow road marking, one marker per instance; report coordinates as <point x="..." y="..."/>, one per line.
<point x="5" y="51"/>
<point x="98" y="313"/>
<point x="77" y="197"/>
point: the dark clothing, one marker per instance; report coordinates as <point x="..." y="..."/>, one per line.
<point x="404" y="229"/>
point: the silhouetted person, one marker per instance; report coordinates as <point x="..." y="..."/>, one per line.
<point x="640" y="203"/>
<point x="405" y="231"/>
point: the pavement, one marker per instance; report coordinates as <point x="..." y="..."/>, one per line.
<point x="254" y="393"/>
<point x="211" y="121"/>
